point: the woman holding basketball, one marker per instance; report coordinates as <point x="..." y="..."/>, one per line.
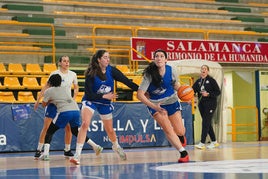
<point x="158" y="91"/>
<point x="207" y="90"/>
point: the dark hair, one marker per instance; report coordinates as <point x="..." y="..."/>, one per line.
<point x="54" y="80"/>
<point x="205" y="66"/>
<point x="152" y="70"/>
<point x="160" y="50"/>
<point x="94" y="68"/>
<point x="61" y="58"/>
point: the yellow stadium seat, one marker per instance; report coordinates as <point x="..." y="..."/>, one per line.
<point x="120" y="85"/>
<point x="123" y="68"/>
<point x="7" y="96"/>
<point x="2" y="86"/>
<point x="26" y="97"/>
<point x="134" y="97"/>
<point x="79" y="97"/>
<point x="30" y="83"/>
<point x="12" y="83"/>
<point x="3" y="69"/>
<point x="16" y="68"/>
<point x="34" y="69"/>
<point x="43" y="81"/>
<point x="49" y="67"/>
<point x="137" y="80"/>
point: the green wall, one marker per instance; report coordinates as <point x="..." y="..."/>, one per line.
<point x="244" y="97"/>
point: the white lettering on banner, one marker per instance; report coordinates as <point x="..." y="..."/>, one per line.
<point x="144" y="125"/>
<point x="118" y="128"/>
<point x="209" y="56"/>
<point x="220" y="57"/>
<point x="130" y="139"/>
<point x="129" y="126"/>
<point x="97" y="125"/>
<point x="156" y="126"/>
<point x="183" y="55"/>
<point x="214" y="47"/>
<point x="106" y="139"/>
<point x="3" y="139"/>
<point x="218" y="51"/>
<point x="247" y="58"/>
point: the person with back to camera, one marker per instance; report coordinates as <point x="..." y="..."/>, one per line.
<point x="158" y="92"/>
<point x="99" y="86"/>
<point x="69" y="78"/>
<point x="207" y="90"/>
<point x="67" y="111"/>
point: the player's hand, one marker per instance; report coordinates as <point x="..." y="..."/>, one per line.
<point x="110" y="96"/>
<point x="36" y="104"/>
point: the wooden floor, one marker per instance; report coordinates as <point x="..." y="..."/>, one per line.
<point x="231" y="160"/>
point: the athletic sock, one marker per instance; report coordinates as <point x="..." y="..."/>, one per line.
<point x="182" y="149"/>
<point x="46" y="149"/>
<point x="93" y="144"/>
<point x="78" y="149"/>
<point x="40" y="146"/>
<point x="115" y="143"/>
<point x="67" y="147"/>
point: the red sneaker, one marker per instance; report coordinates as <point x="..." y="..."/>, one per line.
<point x="184" y="159"/>
<point x="75" y="160"/>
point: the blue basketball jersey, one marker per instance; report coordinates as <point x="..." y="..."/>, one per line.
<point x="166" y="87"/>
<point x="104" y="86"/>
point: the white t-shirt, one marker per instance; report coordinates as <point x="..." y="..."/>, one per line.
<point x="68" y="79"/>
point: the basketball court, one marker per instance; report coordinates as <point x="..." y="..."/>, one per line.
<point x="231" y="160"/>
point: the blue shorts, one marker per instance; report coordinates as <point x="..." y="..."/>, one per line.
<point x="63" y="118"/>
<point x="105" y="110"/>
<point x="51" y="110"/>
<point x="170" y="108"/>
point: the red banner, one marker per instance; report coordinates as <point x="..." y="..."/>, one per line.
<point x="217" y="51"/>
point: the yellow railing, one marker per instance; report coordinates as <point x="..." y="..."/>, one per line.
<point x="234" y="123"/>
<point x="190" y="83"/>
<point x="23" y="47"/>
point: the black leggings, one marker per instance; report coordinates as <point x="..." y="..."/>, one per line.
<point x="53" y="128"/>
<point x="207" y="110"/>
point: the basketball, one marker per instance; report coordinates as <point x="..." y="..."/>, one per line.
<point x="185" y="93"/>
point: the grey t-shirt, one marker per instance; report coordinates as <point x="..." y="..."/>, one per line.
<point x="62" y="99"/>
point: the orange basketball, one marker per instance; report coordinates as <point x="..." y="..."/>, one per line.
<point x="185" y="93"/>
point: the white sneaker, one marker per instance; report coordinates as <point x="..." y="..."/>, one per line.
<point x="213" y="145"/>
<point x="200" y="146"/>
<point x="44" y="157"/>
<point x="98" y="150"/>
<point x="75" y="160"/>
<point x="117" y="149"/>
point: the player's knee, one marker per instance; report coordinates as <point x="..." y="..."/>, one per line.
<point x="85" y="125"/>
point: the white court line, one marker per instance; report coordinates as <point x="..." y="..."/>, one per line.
<point x="224" y="166"/>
